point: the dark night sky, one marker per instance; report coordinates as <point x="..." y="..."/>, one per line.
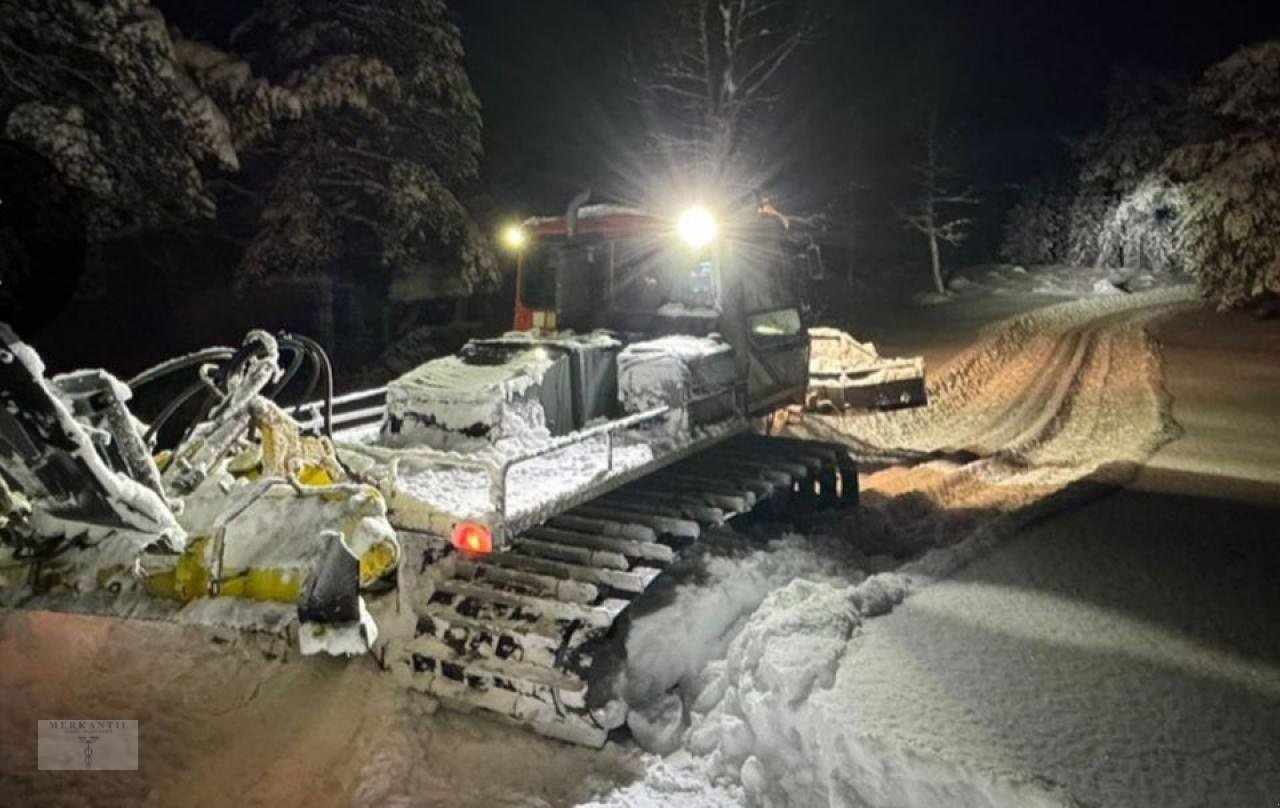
<point x="1012" y="77"/>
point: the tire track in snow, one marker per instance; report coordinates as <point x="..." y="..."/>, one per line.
<point x="1049" y="399"/>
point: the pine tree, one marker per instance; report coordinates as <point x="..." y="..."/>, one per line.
<point x="95" y="88"/>
<point x="377" y="131"/>
<point x="321" y="137"/>
<point x="1038" y="226"/>
<point x="1232" y="179"/>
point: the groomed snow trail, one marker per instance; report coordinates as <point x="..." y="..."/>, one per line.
<point x="1048" y="399"/>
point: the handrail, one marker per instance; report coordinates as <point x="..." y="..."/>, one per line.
<point x="498" y="484"/>
<point x="498" y="470"/>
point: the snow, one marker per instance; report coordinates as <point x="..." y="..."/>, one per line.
<point x="433" y="490"/>
<point x="146" y="515"/>
<point x="352" y="639"/>
<point x="1050" y="280"/>
<point x="589" y="212"/>
<point x="659" y="372"/>
<point x="678" y="309"/>
<point x="430" y="496"/>
<point x="443" y="397"/>
<point x="763" y="672"/>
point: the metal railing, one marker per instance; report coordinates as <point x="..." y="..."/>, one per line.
<point x="310" y="416"/>
<point x="498" y="469"/>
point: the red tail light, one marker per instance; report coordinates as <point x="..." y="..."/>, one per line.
<point x="470" y="537"/>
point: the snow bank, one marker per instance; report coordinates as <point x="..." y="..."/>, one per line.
<point x="1053" y="280"/>
<point x="706" y="601"/>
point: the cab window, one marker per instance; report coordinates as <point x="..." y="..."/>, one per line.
<point x="776" y="326"/>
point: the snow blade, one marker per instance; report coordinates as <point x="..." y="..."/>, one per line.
<point x="847" y="374"/>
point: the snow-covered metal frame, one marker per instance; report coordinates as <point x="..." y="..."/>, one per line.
<point x="505" y="525"/>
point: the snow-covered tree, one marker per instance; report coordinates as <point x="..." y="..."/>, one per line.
<point x="1231" y="179"/>
<point x="377" y="131"/>
<point x="710" y="77"/>
<point x="933" y="214"/>
<point x="95" y="88"/>
<point x="1038" y="226"/>
<point x="1090" y="210"/>
<point x="1147" y="114"/>
<point x="321" y="137"/>
<point x="1144" y="231"/>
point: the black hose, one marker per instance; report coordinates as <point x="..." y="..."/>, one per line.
<point x="217" y="353"/>
<point x="295" y="362"/>
<point x="313" y="375"/>
<point x="169" y="410"/>
<point x="322" y="359"/>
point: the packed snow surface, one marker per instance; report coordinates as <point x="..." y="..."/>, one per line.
<point x="1049" y="398"/>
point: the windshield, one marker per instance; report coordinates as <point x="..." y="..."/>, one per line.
<point x="663" y="280"/>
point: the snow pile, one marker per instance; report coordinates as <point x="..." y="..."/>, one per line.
<point x="677" y="780"/>
<point x="754" y="702"/>
<point x="668" y="648"/>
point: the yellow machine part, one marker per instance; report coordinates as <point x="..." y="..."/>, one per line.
<point x="191" y="575"/>
<point x="190" y="579"/>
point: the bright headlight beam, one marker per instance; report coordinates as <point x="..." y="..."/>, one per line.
<point x="696" y="227"/>
<point x="513" y="237"/>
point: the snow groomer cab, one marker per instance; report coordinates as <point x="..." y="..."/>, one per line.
<point x="640" y="275"/>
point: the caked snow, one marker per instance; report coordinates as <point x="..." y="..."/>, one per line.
<point x="531" y="485"/>
<point x="431" y="492"/>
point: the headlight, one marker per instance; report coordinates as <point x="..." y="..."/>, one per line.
<point x="696" y="226"/>
<point x="514" y="238"/>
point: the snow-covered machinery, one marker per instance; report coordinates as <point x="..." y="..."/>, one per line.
<point x="482" y="522"/>
<point x="244" y="524"/>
